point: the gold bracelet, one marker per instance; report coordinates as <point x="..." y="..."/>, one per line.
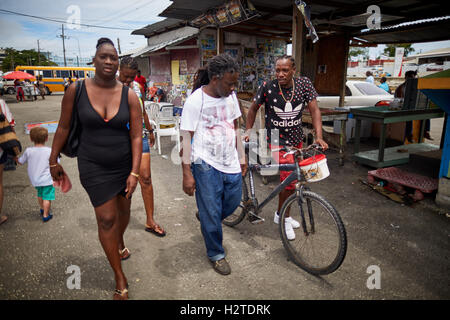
<point x="53" y="165"/>
<point x="134" y="174"/>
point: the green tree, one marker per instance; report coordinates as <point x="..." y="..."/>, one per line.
<point x="31" y="57"/>
<point x="390" y="49"/>
<point x="358" y="51"/>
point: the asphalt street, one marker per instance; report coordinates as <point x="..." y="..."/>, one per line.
<point x="409" y="246"/>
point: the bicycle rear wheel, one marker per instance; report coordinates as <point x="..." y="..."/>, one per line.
<point x="321" y="250"/>
<point x="236" y="217"/>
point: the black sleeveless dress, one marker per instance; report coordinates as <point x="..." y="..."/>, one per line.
<point x="104" y="153"/>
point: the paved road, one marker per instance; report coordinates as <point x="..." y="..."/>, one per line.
<point x="410" y="245"/>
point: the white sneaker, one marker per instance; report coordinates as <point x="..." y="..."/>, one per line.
<point x="290" y="234"/>
<point x="276" y="218"/>
<point x="295" y="224"/>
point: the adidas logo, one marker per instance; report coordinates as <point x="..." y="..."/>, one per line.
<point x="288" y="113"/>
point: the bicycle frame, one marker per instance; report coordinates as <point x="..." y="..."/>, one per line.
<point x="295" y="175"/>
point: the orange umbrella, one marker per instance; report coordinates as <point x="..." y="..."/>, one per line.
<point x="18" y="75"/>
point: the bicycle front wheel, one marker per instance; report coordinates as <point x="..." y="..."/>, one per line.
<point x="320" y="242"/>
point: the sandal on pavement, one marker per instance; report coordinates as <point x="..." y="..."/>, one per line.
<point x="120" y="294"/>
<point x="3" y="219"/>
<point x="124" y="254"/>
<point x="157" y="230"/>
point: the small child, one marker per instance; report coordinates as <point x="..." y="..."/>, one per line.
<point x="39" y="170"/>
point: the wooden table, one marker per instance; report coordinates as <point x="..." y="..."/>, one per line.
<point x="332" y="115"/>
<point x="395" y="155"/>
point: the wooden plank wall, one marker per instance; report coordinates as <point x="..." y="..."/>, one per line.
<point x="331" y="53"/>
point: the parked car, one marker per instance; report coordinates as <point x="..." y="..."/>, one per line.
<point x="357" y="93"/>
<point x="8" y="86"/>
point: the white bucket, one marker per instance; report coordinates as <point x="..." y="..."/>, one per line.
<point x="316" y="171"/>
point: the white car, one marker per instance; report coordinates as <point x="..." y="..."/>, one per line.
<point x="357" y="93"/>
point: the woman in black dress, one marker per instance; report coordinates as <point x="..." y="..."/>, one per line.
<point x="109" y="153"/>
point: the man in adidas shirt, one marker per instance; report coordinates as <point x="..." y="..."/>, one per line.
<point x="285" y="98"/>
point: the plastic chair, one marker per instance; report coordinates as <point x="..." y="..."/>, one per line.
<point x="164" y="122"/>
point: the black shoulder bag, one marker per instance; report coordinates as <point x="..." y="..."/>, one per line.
<point x="70" y="149"/>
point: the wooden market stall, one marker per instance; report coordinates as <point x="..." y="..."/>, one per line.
<point x="256" y="31"/>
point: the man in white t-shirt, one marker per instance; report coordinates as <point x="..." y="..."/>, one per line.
<point x="370" y="78"/>
<point x="212" y="165"/>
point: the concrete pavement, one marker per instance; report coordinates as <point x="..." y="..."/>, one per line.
<point x="410" y="245"/>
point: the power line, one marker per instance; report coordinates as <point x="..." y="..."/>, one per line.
<point x="61" y="21"/>
<point x="135" y="7"/>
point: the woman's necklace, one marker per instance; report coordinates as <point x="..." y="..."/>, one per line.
<point x="288" y="105"/>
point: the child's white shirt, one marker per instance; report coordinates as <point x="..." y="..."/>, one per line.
<point x="38" y="166"/>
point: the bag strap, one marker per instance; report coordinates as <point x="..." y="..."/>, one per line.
<point x="78" y="89"/>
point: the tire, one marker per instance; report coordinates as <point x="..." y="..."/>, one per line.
<point x="236" y="217"/>
<point x="239" y="214"/>
<point x="322" y="251"/>
<point x="11" y="91"/>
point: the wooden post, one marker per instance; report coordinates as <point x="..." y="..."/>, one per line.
<point x="297" y="38"/>
<point x="220" y="41"/>
<point x="344" y="71"/>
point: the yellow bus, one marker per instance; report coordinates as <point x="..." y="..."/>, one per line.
<point x="53" y="76"/>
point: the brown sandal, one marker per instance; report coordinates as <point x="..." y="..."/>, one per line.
<point x="3" y="219"/>
<point x="124" y="254"/>
<point x="155" y="230"/>
<point x="120" y="294"/>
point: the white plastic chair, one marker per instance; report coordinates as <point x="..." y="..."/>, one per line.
<point x="164" y="122"/>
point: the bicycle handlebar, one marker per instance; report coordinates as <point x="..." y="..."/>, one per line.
<point x="288" y="149"/>
<point x="293" y="150"/>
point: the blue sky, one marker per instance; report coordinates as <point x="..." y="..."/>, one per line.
<point x="23" y="32"/>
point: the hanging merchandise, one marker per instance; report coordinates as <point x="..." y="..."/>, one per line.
<point x="306" y="12"/>
<point x="232" y="12"/>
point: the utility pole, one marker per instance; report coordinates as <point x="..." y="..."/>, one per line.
<point x="118" y="45"/>
<point x="39" y="54"/>
<point x="64" y="46"/>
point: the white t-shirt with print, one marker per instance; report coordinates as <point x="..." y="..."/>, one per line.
<point x="38" y="167"/>
<point x="212" y="121"/>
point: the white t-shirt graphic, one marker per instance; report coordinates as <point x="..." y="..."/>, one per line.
<point x="212" y="121"/>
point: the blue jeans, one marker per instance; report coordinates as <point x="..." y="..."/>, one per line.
<point x="218" y="194"/>
<point x="145" y="145"/>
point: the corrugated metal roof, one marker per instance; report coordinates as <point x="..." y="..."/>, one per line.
<point x="432" y="53"/>
<point x="410" y="23"/>
<point x="163" y="40"/>
<point x="425" y="30"/>
<point x="158" y="27"/>
<point x="416" y="15"/>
